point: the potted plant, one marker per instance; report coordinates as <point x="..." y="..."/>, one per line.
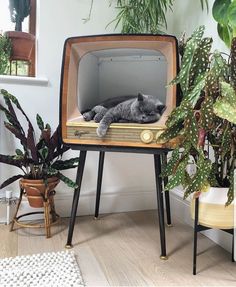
<point x="39" y="160"/>
<point x="22" y="43"/>
<point x="5" y="52"/>
<point x="205" y="120"/>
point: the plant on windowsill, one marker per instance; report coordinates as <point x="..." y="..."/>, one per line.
<point x="22" y="42"/>
<point x="206" y="121"/>
<point x="39" y="160"/>
<point x="5" y="52"/>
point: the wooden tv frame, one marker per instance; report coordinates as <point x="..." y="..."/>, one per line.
<point x="76" y="131"/>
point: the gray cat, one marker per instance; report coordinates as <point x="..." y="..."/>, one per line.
<point x="136" y="109"/>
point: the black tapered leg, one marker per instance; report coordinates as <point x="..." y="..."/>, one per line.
<point x="160" y="205"/>
<point x="195" y="236"/>
<point x="99" y="182"/>
<point x="233" y="247"/>
<point x="75" y="202"/>
<point x="167" y="195"/>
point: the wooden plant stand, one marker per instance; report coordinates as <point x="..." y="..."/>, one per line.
<point x="50" y="215"/>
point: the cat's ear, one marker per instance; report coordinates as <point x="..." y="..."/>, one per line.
<point x="140" y="97"/>
<point x="160" y="108"/>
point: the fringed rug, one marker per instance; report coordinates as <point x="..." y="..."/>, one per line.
<point x="46" y="269"/>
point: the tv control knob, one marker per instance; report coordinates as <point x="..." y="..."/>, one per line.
<point x="146" y="136"/>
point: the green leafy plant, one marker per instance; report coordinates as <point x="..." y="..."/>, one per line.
<point x="205" y="119"/>
<point x="39" y="159"/>
<point x="224" y="12"/>
<point x="5" y="52"/>
<point x="19" y="10"/>
<point x="144" y="16"/>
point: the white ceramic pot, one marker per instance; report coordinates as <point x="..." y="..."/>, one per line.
<point x="212" y="210"/>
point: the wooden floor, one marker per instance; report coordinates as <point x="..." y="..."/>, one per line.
<point x="123" y="250"/>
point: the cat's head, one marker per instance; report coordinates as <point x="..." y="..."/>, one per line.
<point x="147" y="109"/>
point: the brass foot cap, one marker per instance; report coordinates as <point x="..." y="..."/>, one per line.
<point x="68" y="246"/>
<point x="164" y="257"/>
<point x="169" y="225"/>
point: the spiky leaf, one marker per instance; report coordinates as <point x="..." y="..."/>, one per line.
<point x="10" y="180"/>
<point x="43" y="153"/>
<point x="66" y="164"/>
<point x="171" y="132"/>
<point x="8" y="159"/>
<point x="207" y="114"/>
<point x="169" y="168"/>
<point x="192" y="97"/>
<point x="178" y="114"/>
<point x="191" y="128"/>
<point x="200" y="63"/>
<point x="225" y="106"/>
<point x="40" y="122"/>
<point x="31" y="144"/>
<point x="17" y="133"/>
<point x="67" y="181"/>
<point x="200" y="178"/>
<point x="183" y="78"/>
<point x="233" y="63"/>
<point x="178" y="177"/>
<point x="231" y="191"/>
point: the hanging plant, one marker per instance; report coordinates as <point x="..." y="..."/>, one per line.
<point x="144" y="16"/>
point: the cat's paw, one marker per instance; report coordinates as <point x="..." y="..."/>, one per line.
<point x="101" y="132"/>
<point x="98" y="117"/>
<point x="88" y="116"/>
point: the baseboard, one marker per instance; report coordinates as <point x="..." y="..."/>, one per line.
<point x="110" y="203"/>
<point x="133" y="200"/>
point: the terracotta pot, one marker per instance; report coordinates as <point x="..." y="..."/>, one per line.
<point x="22" y="45"/>
<point x="36" y="189"/>
<point x="212" y="210"/>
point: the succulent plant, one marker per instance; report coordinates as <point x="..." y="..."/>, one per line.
<point x="205" y="119"/>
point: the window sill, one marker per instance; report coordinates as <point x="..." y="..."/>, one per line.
<point x="34" y="81"/>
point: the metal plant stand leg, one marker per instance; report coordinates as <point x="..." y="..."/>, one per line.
<point x="75" y="202"/>
<point x="167" y="194"/>
<point x="160" y="205"/>
<point x="195" y="236"/>
<point x="99" y="182"/>
<point x="17" y="209"/>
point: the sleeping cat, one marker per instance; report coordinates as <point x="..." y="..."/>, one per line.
<point x="136" y="109"/>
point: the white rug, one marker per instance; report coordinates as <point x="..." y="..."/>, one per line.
<point x="46" y="269"/>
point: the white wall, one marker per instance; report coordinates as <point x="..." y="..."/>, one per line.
<point x="187" y="16"/>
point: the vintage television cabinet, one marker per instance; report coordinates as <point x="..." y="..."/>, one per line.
<point x="96" y="68"/>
